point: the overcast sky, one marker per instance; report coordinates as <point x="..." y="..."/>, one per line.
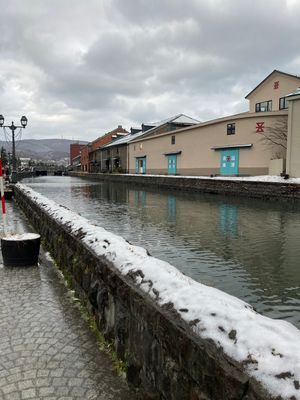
<point x="78" y="68"/>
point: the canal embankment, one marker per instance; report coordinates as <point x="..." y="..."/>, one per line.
<point x="178" y="338"/>
<point x="279" y="189"/>
<point x="47" y="349"/>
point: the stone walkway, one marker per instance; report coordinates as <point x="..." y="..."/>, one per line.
<point x="46" y="348"/>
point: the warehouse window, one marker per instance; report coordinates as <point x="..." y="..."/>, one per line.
<point x="231" y="129"/>
<point x="264" y="106"/>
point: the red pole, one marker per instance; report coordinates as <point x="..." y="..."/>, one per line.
<point x="3" y="199"/>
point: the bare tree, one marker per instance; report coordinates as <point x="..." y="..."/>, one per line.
<point x="276" y="136"/>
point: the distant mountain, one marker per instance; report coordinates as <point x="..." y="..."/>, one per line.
<point x="42" y="149"/>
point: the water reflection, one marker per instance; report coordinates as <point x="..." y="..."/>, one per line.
<point x="248" y="248"/>
<point x="171" y="204"/>
<point x="140" y="198"/>
<point x="228" y="220"/>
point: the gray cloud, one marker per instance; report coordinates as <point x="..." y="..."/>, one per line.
<point x="77" y="69"/>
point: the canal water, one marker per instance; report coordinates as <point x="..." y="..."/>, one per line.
<point x="246" y="247"/>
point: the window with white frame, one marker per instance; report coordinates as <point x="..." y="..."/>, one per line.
<point x="263" y="106"/>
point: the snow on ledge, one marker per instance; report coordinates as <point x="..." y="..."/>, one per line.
<point x="269" y="349"/>
<point x="21" y="236"/>
<point x="259" y="178"/>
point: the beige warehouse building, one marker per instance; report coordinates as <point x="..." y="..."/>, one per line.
<point x="235" y="145"/>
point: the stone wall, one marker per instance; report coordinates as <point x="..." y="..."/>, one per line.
<point x="265" y="190"/>
<point x="163" y="355"/>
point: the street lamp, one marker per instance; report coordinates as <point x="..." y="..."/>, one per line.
<point x="13" y="127"/>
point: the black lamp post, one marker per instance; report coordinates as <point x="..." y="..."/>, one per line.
<point x="13" y="127"/>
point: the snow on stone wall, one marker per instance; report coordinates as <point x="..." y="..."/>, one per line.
<point x="268" y="349"/>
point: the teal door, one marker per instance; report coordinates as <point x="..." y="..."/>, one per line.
<point x="140" y="165"/>
<point x="172" y="164"/>
<point x="229" y="162"/>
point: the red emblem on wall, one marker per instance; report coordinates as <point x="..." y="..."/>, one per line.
<point x="228" y="158"/>
<point x="276" y="85"/>
<point x="260" y="127"/>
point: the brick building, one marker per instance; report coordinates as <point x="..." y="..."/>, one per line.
<point x="91" y="154"/>
<point x="75" y="149"/>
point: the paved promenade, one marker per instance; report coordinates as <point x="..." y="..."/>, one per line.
<point x="46" y="349"/>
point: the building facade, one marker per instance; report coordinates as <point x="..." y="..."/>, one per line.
<point x="91" y="160"/>
<point x="231" y="146"/>
<point x="75" y="149"/>
<point x="84" y="158"/>
<point x="270" y="94"/>
<point x="115" y="155"/>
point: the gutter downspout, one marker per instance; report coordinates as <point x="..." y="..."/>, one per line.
<point x="127" y="169"/>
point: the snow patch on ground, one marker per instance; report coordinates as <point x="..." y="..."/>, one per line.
<point x="269" y="349"/>
<point x="48" y="256"/>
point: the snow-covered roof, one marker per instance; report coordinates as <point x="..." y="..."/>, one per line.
<point x="117" y="142"/>
<point x="177" y="119"/>
<point x="268" y="349"/>
<point x="295" y="93"/>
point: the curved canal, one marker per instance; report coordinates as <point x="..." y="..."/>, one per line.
<point x="246" y="247"/>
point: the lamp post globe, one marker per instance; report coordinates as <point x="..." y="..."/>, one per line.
<point x="24" y="121"/>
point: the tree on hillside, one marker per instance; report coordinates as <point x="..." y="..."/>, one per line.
<point x="276" y="136"/>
